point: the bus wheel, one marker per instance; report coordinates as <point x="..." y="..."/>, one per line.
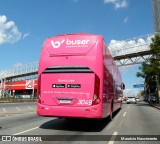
<point x="110" y="116"/>
<point x="111" y="113"/>
<point x="121" y="105"/>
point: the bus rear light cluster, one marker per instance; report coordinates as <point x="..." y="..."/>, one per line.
<point x="96" y="98"/>
<point x="39" y="100"/>
<point x="39" y="90"/>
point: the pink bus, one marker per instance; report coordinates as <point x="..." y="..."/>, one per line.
<point x="78" y="78"/>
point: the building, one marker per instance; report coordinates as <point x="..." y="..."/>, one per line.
<point x="156" y="14"/>
<point x="22" y="88"/>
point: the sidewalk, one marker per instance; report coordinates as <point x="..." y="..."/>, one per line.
<point x="155" y="105"/>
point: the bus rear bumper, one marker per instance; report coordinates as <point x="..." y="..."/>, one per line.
<point x="67" y="111"/>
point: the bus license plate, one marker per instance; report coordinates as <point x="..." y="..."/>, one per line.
<point x="65" y="101"/>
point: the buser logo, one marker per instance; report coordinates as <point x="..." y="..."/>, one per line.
<point x="57" y="44"/>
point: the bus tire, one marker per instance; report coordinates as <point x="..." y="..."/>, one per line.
<point x="111" y="112"/>
<point x="121" y="105"/>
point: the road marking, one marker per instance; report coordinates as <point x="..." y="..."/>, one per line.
<point x="127" y="106"/>
<point x="26" y="131"/>
<point x="113" y="138"/>
<point x="18" y="108"/>
<point x="30" y="108"/>
<point x="4" y="110"/>
<point x="124" y="114"/>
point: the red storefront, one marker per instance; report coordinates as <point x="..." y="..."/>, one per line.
<point x="24" y="87"/>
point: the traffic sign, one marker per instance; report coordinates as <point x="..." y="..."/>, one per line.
<point x="29" y="84"/>
<point x="138" y="85"/>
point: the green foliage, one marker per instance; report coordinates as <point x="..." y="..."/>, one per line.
<point x="155" y="46"/>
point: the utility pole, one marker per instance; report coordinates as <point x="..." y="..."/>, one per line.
<point x="33" y="90"/>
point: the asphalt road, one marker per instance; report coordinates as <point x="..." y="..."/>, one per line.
<point x="133" y="119"/>
<point x="9" y="109"/>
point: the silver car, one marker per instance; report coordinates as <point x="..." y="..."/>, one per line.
<point x="131" y="99"/>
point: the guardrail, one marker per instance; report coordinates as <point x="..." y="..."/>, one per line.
<point x="129" y="46"/>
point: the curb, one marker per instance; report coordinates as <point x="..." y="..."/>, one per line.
<point x="155" y="106"/>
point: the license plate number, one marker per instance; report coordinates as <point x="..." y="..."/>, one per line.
<point x="65" y="101"/>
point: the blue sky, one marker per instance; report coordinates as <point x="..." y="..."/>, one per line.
<point x="25" y="24"/>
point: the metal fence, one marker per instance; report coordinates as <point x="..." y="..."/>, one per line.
<point x="18" y="98"/>
<point x="19" y="70"/>
<point x="129" y="46"/>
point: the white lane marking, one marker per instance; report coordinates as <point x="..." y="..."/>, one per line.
<point x="18" y="108"/>
<point x="113" y="138"/>
<point x="26" y="131"/>
<point x="115" y="133"/>
<point x="30" y="107"/>
<point x="4" y="110"/>
<point x="124" y="114"/>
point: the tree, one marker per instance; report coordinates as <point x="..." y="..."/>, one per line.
<point x="150" y="70"/>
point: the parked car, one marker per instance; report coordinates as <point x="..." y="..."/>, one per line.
<point x="152" y="99"/>
<point x="125" y="98"/>
<point x="138" y="99"/>
<point x="131" y="99"/>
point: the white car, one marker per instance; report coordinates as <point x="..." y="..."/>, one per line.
<point x="138" y="99"/>
<point x="131" y="99"/>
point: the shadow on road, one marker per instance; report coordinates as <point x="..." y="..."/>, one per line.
<point x="142" y="104"/>
<point x="138" y="104"/>
<point x="76" y="124"/>
<point x="83" y="125"/>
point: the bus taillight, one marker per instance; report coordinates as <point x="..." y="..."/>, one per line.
<point x="96" y="98"/>
<point x="39" y="90"/>
<point x="39" y="100"/>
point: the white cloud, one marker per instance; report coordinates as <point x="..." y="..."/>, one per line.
<point x="9" y="32"/>
<point x="126" y="69"/>
<point x="125" y="20"/>
<point x="131" y="92"/>
<point x="117" y="3"/>
<point x="25" y="35"/>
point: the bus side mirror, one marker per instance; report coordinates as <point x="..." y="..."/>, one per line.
<point x="123" y="86"/>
